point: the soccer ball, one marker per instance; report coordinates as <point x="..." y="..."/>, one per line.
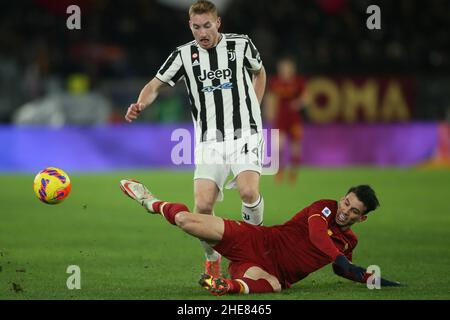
<point x="51" y="185"/>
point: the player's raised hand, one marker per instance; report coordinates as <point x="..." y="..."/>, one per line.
<point x="133" y="111"/>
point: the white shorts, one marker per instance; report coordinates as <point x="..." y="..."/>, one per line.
<point x="215" y="160"/>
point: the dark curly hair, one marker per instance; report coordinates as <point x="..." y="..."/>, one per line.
<point x="367" y="196"/>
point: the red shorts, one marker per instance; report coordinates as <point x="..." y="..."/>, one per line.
<point x="245" y="246"/>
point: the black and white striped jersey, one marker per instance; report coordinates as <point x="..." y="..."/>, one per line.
<point x="219" y="84"/>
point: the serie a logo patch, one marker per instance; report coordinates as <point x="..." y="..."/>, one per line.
<point x="326" y="212"/>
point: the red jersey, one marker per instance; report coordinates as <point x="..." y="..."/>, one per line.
<point x="309" y="241"/>
<point x="286" y="91"/>
<point x="291" y="251"/>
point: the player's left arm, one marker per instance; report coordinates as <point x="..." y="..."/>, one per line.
<point x="253" y="63"/>
<point x="344" y="268"/>
<point x="259" y="83"/>
<point x="342" y="264"/>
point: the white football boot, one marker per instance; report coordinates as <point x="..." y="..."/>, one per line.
<point x="137" y="191"/>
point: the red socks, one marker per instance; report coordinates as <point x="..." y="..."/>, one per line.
<point x="251" y="286"/>
<point x="157" y="205"/>
<point x="169" y="210"/>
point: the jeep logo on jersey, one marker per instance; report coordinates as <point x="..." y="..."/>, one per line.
<point x="217" y="74"/>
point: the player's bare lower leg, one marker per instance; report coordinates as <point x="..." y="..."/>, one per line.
<point x="205" y="194"/>
<point x="260" y="276"/>
<point x="207" y="228"/>
<point x="252" y="201"/>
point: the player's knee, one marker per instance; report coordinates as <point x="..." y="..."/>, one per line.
<point x="204" y="206"/>
<point x="249" y="194"/>
<point x="182" y="220"/>
<point x="276" y="286"/>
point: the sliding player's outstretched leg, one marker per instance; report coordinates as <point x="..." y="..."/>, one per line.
<point x="205" y="227"/>
<point x="139" y="192"/>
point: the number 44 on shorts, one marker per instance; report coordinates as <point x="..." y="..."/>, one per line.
<point x="244" y="150"/>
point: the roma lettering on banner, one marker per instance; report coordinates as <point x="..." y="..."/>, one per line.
<point x="360" y="99"/>
<point x="325" y="102"/>
<point x="394" y="106"/>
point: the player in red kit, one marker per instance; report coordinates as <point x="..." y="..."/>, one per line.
<point x="269" y="259"/>
<point x="285" y="97"/>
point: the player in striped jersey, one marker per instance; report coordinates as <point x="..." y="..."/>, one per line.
<point x="225" y="81"/>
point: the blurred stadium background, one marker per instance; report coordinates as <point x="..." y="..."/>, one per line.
<point x="380" y="114"/>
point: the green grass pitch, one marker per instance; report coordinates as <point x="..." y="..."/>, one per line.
<point x="124" y="253"/>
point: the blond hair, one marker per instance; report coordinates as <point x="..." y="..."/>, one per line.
<point x="201" y="7"/>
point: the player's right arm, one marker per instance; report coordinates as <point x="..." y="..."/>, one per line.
<point x="170" y="72"/>
<point x="148" y="94"/>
